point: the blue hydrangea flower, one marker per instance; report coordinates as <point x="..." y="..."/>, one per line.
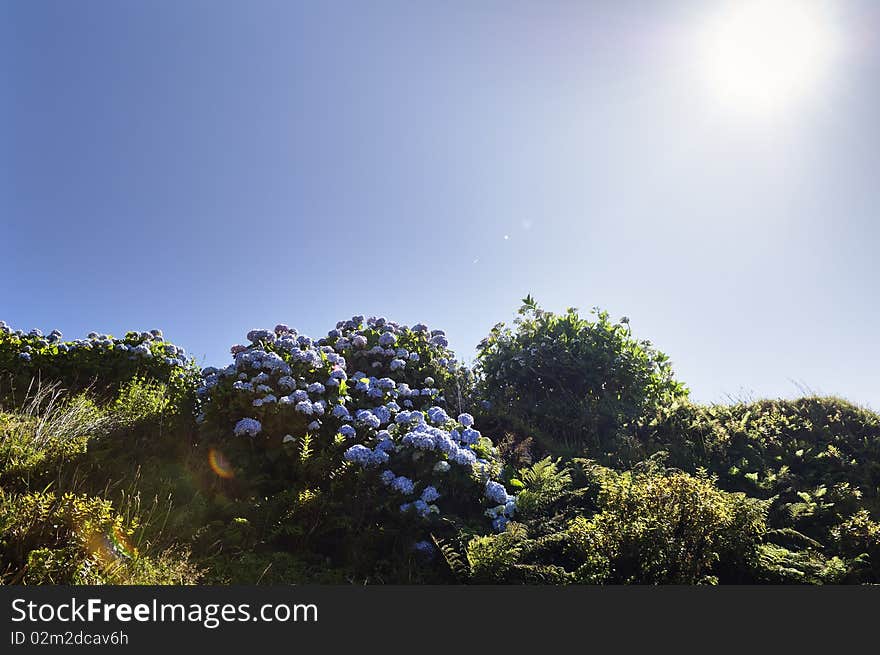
<point x="437" y="415"/>
<point x="500" y="524"/>
<point x="366" y="417"/>
<point x="425" y="548"/>
<point x="466" y="420"/>
<point x="469" y="436"/>
<point x="383" y="414"/>
<point x="441" y="467"/>
<point x="463" y="456"/>
<point x="347" y="431"/>
<point x="496" y="493"/>
<point x="385" y="445"/>
<point x="248" y="426"/>
<point x="359" y="455"/>
<point x="430" y="494"/>
<point x="403" y="485"/>
<point x="255" y="336"/>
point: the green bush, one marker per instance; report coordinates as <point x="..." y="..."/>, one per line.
<point x="100" y="363"/>
<point x="575" y="385"/>
<point x="815" y="460"/>
<point x="666" y="529"/>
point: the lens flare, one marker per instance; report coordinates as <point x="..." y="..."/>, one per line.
<point x="110" y="548"/>
<point x="219" y="464"/>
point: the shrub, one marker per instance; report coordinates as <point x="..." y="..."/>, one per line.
<point x="356" y="423"/>
<point x="100" y="363"/>
<point x="816" y="460"/>
<point x="858" y="538"/>
<point x="572" y="383"/>
<point x="49" y="430"/>
<point x="77" y="539"/>
<point x="666" y="529"/>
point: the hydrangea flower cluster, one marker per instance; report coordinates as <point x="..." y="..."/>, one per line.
<point x="111" y="360"/>
<point x="371" y="391"/>
<point x="505" y="505"/>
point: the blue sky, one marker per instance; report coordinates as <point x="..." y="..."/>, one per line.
<point x="210" y="167"/>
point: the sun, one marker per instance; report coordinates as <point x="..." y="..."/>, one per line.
<point x="764" y="56"/>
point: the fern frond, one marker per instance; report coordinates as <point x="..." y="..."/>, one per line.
<point x="453" y="559"/>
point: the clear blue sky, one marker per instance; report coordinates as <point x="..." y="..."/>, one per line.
<point x="210" y="167"/>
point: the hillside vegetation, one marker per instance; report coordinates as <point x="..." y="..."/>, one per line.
<point x="569" y="454"/>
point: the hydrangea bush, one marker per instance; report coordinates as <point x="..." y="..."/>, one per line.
<point x="100" y="362"/>
<point x="364" y="408"/>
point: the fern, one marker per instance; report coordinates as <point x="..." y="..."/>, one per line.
<point x="454" y="560"/>
<point x="305" y="447"/>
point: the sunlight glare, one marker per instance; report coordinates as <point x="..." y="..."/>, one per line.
<point x="762" y="56"/>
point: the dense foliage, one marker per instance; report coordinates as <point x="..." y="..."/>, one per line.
<point x="573" y="384"/>
<point x="364" y="456"/>
<point x="100" y="362"/>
